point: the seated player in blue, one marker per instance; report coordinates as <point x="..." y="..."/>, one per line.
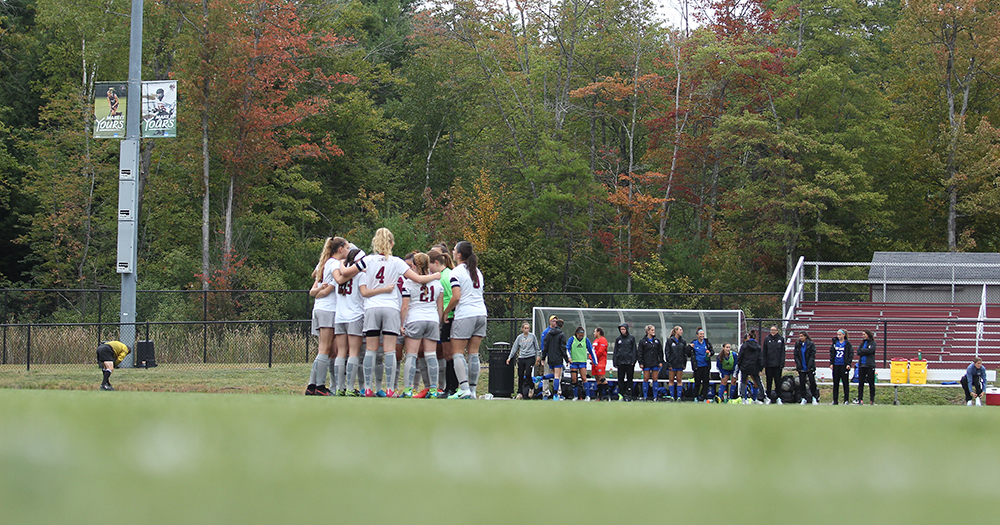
<point x="651" y="356"/>
<point x="580" y="349"/>
<point x="726" y="365"/>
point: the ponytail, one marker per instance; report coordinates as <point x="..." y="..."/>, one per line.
<point x="331" y="246"/>
<point x="421" y="262"/>
<point x="464" y="250"/>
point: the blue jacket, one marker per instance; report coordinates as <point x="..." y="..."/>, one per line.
<point x="975" y="374"/>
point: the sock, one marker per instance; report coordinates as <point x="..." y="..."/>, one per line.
<point x="473" y="371"/>
<point x="433" y="371"/>
<point x="461" y="371"/>
<point x="442" y="369"/>
<point x="411" y="371"/>
<point x="395" y="373"/>
<point x="645" y="389"/>
<point x="369" y="368"/>
<point x="312" y="372"/>
<point x="352" y="371"/>
<point x="450" y="377"/>
<point x="339" y="373"/>
<point x="555" y="386"/>
<point x="107" y="376"/>
<point x="422" y="372"/>
<point x="379" y="369"/>
<point x="322" y="367"/>
<point x="390" y="370"/>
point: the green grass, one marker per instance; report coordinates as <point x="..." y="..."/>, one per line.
<point x="155" y="457"/>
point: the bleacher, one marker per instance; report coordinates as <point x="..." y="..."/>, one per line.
<point x="943" y="334"/>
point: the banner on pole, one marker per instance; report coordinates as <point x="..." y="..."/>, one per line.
<point x="159" y="109"/>
<point x="109" y="109"/>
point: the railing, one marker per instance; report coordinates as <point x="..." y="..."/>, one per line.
<point x="882" y="284"/>
<point x="793" y="294"/>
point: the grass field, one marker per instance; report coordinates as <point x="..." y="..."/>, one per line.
<point x="170" y="457"/>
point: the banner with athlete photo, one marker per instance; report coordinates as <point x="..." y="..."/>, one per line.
<point x="159" y="109"/>
<point x="110" y="99"/>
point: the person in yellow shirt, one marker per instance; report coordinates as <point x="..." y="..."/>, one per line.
<point x="110" y="354"/>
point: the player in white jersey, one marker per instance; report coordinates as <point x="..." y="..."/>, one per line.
<point x="423" y="307"/>
<point x="469" y="327"/>
<point x="350" y="323"/>
<point x="382" y="310"/>
<point x="324" y="312"/>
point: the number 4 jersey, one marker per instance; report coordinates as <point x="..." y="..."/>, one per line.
<point x="380" y="271"/>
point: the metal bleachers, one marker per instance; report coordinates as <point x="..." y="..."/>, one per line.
<point x="948" y="336"/>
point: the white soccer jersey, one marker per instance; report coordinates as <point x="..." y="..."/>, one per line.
<point x="328" y="303"/>
<point x="380" y="271"/>
<point x="423" y="300"/>
<point x="351" y="304"/>
<point x="471" y="303"/>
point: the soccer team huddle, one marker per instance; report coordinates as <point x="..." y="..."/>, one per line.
<point x="428" y="307"/>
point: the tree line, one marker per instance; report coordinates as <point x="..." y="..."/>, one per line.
<point x="580" y="145"/>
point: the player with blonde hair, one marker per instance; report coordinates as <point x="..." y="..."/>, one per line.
<point x="382" y="310"/>
<point x="324" y="312"/>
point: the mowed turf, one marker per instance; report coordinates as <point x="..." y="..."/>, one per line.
<point x="146" y="457"/>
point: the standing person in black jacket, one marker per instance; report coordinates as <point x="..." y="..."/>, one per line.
<point x="750" y="361"/>
<point x="651" y="355"/>
<point x="675" y="361"/>
<point x="866" y="367"/>
<point x="700" y="352"/>
<point x="773" y="350"/>
<point x="841" y="357"/>
<point x="554" y="353"/>
<point x="805" y="365"/>
<point x="626" y="353"/>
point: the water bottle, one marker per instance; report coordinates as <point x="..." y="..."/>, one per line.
<point x="920" y="355"/>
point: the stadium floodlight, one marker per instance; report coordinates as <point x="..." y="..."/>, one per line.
<point x="721" y="326"/>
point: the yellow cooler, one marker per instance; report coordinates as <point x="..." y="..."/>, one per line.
<point x="918" y="372"/>
<point x="897" y="371"/>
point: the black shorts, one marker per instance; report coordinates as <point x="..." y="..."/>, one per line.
<point x="446" y="331"/>
<point x="105" y="353"/>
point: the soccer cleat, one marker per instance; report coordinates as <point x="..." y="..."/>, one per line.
<point x="381" y="393"/>
<point x="311" y="390"/>
<point x="779" y="401"/>
<point x="408" y="392"/>
<point x="354" y="393"/>
<point x="422" y="394"/>
<point x="108" y="387"/>
<point x="967" y="403"/>
<point x="758" y="402"/>
<point x="439" y="394"/>
<point x="341" y="392"/>
<point x="323" y="391"/>
<point x="369" y="393"/>
<point x="979" y="402"/>
<point x="767" y="401"/>
<point x="803" y="401"/>
<point x="815" y="401"/>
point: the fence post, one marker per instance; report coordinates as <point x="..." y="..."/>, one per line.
<point x="204" y="324"/>
<point x="100" y="314"/>
<point x="885" y="343"/>
<point x="28" y="360"/>
<point x="4" y="344"/>
<point x="270" y="343"/>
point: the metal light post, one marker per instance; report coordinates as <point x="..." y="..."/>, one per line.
<point x="128" y="188"/>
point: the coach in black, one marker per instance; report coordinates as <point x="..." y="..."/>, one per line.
<point x="625" y="356"/>
<point x="773" y="348"/>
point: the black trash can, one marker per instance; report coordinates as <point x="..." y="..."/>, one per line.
<point x="501" y="374"/>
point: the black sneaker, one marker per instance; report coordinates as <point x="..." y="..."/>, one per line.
<point x="107" y="387"/>
<point x="311" y="390"/>
<point x="322" y="391"/>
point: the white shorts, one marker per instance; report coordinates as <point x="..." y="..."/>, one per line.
<point x="381" y="320"/>
<point x="322" y="319"/>
<point x="355" y="327"/>
<point x="423" y="330"/>
<point x="468" y="327"/>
